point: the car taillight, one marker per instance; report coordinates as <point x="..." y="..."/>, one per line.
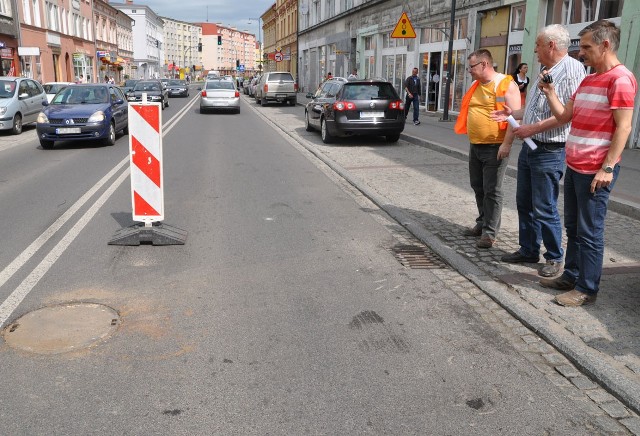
<point x="398" y="105"/>
<point x="237" y="93"/>
<point x="295" y="87"/>
<point x="266" y="88"/>
<point x="344" y="106"/>
<point x="203" y="93"/>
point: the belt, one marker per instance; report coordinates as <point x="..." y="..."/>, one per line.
<point x="549" y="145"/>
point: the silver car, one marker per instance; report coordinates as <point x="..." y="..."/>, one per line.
<point x="219" y="94"/>
<point x="278" y="86"/>
<point x="20" y="102"/>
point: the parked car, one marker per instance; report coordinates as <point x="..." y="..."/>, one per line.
<point x="252" y="86"/>
<point x="20" y="102"/>
<point x="219" y="94"/>
<point x="84" y="112"/>
<point x="178" y="88"/>
<point x="276" y="86"/>
<point x="245" y="85"/>
<point x="363" y="107"/>
<point x="156" y="92"/>
<point x="128" y="86"/>
<point x="52" y="88"/>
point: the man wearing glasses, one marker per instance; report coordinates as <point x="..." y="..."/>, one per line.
<point x="490" y="141"/>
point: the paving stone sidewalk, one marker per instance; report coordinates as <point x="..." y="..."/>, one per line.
<point x="432" y="188"/>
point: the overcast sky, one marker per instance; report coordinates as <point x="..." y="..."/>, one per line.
<point x="226" y="12"/>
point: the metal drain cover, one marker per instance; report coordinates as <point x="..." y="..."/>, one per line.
<point x="61" y="328"/>
<point x="418" y="257"/>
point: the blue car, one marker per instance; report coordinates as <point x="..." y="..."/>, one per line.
<point x="83" y="112"/>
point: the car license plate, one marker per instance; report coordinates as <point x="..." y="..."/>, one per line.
<point x="67" y="130"/>
<point x="281" y="95"/>
<point x="371" y="114"/>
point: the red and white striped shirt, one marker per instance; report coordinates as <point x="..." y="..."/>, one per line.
<point x="593" y="125"/>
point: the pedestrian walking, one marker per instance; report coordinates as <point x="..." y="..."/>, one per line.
<point x="414" y="90"/>
<point x="540" y="170"/>
<point x="600" y="112"/>
<point x="488" y="141"/>
<point x="353" y="75"/>
<point x="521" y="79"/>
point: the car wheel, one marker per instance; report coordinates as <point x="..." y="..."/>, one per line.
<point x="47" y="145"/>
<point x="202" y="110"/>
<point x="162" y="106"/>
<point x="125" y="131"/>
<point x="167" y="103"/>
<point x="238" y="111"/>
<point x="293" y="102"/>
<point x="111" y="139"/>
<point x="263" y="102"/>
<point x="393" y="137"/>
<point x="307" y="124"/>
<point x="324" y="132"/>
<point x="17" y="124"/>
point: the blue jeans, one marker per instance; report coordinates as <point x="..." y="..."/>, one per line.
<point x="584" y="215"/>
<point x="486" y="173"/>
<point x="539" y="174"/>
<point x="416" y="106"/>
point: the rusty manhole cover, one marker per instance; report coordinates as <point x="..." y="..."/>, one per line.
<point x="61" y="328"/>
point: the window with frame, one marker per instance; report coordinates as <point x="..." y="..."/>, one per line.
<point x="369" y="43"/>
<point x="425" y="35"/>
<point x="461" y="30"/>
<point x="581" y="11"/>
<point x="36" y="13"/>
<point x="437" y="32"/>
<point x="26" y="10"/>
<point x="5" y="8"/>
<point x="388" y="41"/>
<point x="517" y="17"/>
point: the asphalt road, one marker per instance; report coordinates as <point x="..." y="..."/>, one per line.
<point x="284" y="312"/>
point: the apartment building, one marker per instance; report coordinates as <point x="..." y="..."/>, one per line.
<point x="227" y="50"/>
<point x="9" y="33"/>
<point x="148" y="40"/>
<point x="181" y="48"/>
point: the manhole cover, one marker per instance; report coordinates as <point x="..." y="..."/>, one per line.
<point x="61" y="328"/>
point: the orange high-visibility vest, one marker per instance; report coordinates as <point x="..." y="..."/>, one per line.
<point x="500" y="89"/>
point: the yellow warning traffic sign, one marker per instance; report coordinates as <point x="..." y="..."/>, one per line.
<point x="403" y="29"/>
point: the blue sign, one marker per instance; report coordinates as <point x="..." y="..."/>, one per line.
<point x="241" y="68"/>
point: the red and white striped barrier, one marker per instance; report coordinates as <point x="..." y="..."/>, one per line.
<point x="145" y="145"/>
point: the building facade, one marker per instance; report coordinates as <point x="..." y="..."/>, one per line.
<point x="106" y="40"/>
<point x="270" y="42"/>
<point x="181" y="47"/>
<point x="286" y="36"/>
<point x="57" y="40"/>
<point x="124" y="30"/>
<point x="148" y="40"/>
<point x="9" y="34"/>
<point x="228" y="50"/>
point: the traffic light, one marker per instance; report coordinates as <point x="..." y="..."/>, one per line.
<point x="237" y="63"/>
<point x="219" y="39"/>
<point x="199" y="46"/>
<point x="193" y="67"/>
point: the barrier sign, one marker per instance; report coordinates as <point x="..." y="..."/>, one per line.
<point x="145" y="145"/>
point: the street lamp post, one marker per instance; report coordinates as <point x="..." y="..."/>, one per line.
<point x="259" y="39"/>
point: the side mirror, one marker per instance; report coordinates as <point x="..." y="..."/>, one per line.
<point x="45" y="103"/>
<point x="199" y="88"/>
<point x="119" y="101"/>
<point x="309" y="95"/>
<point x="23" y="96"/>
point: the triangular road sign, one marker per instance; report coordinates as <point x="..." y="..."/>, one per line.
<point x="403" y="29"/>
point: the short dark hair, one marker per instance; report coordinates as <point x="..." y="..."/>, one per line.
<point x="603" y="30"/>
<point x="483" y="54"/>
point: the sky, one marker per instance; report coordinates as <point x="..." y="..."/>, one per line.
<point x="226" y="12"/>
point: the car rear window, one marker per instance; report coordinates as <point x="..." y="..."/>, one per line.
<point x="369" y="91"/>
<point x="52" y="88"/>
<point x="280" y="77"/>
<point x="220" y="84"/>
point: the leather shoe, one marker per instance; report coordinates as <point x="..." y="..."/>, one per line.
<point x="485" y="242"/>
<point x="550" y="269"/>
<point x="560" y="283"/>
<point x="575" y="298"/>
<point x="518" y="257"/>
<point x="473" y="231"/>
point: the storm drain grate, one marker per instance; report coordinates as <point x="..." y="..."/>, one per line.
<point x="418" y="257"/>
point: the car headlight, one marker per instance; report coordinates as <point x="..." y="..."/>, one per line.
<point x="97" y="117"/>
<point x="155" y="97"/>
<point x="42" y="118"/>
<point x="3" y="110"/>
<point x="131" y="98"/>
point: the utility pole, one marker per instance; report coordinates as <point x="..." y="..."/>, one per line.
<point x="447" y="87"/>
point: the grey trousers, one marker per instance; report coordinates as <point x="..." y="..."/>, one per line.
<point x="486" y="173"/>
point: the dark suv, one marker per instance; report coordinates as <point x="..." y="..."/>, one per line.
<point x="363" y="107"/>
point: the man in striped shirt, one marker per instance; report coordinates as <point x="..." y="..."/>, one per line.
<point x="601" y="113"/>
<point x="540" y="170"/>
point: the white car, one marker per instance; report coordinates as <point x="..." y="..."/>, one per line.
<point x="219" y="94"/>
<point x="52" y="88"/>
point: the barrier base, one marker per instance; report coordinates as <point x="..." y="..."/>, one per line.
<point x="156" y="234"/>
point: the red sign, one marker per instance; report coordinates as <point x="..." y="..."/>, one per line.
<point x="6" y="53"/>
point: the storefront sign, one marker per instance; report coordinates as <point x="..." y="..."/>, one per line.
<point x="6" y="53"/>
<point x="514" y="49"/>
<point x="28" y="51"/>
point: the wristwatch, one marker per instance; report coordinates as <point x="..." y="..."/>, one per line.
<point x="607" y="169"/>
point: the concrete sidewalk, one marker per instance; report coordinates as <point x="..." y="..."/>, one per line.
<point x="425" y="186"/>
